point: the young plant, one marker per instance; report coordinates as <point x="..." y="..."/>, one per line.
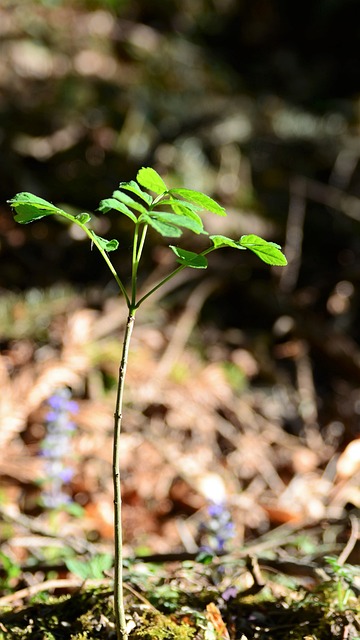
<point x="343" y="580"/>
<point x="147" y="202"/>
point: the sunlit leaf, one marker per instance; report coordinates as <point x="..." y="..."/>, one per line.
<point x="268" y="252"/>
<point x="112" y="203"/>
<point x="164" y="228"/>
<point x="29" y="207"/>
<point x="179" y="206"/>
<point x="25" y="213"/>
<point x="182" y="208"/>
<point x="127" y="200"/>
<point x="107" y="245"/>
<point x="189" y="258"/>
<point x="29" y="198"/>
<point x="204" y="201"/>
<point x="188" y="222"/>
<point x="134" y="188"/>
<point x="150" y="179"/>
<point x="223" y="241"/>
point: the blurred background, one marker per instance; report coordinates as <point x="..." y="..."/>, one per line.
<point x="243" y="381"/>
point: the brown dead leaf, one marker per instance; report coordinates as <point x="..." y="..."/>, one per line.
<point x="348" y="462"/>
<point x="214" y="616"/>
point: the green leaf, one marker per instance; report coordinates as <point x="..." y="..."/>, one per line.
<point x="78" y="568"/>
<point x="100" y="563"/>
<point x="29" y="207"/>
<point x="123" y="197"/>
<point x="29" y="198"/>
<point x="162" y="227"/>
<point x="268" y="252"/>
<point x="187" y="209"/>
<point x="189" y="258"/>
<point x="11" y="568"/>
<point x="179" y="206"/>
<point x="25" y="213"/>
<point x="150" y="179"/>
<point x="205" y="557"/>
<point x="134" y="188"/>
<point x="107" y="245"/>
<point x="223" y="241"/>
<point x="91" y="569"/>
<point x="177" y="220"/>
<point x="204" y="201"/>
<point x="111" y="203"/>
<point x="83" y="218"/>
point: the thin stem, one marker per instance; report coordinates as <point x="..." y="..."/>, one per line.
<point x="118" y="579"/>
<point x="137" y="251"/>
<point x="134" y="265"/>
<point x="159" y="284"/>
<point x="112" y="269"/>
<point x="94" y="240"/>
<point x="141" y="244"/>
<point x="171" y="275"/>
<point x="158" y="199"/>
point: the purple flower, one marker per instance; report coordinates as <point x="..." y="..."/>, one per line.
<point x="55" y="402"/>
<point x="215" y="510"/>
<point x="72" y="406"/>
<point x="66" y="474"/>
<point x="217" y="530"/>
<point x="229" y="593"/>
<point x="56" y="447"/>
<point x="51" y="416"/>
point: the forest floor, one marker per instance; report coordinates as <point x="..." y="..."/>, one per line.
<point x="240" y="451"/>
<point x="234" y="526"/>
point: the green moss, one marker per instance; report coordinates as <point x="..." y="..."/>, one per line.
<point x="327" y="612"/>
<point x="85" y="615"/>
<point x="156" y="626"/>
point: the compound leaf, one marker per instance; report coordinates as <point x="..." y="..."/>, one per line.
<point x="150" y="179"/>
<point x="112" y="203"/>
<point x="177" y="220"/>
<point x="268" y="252"/>
<point x="179" y="206"/>
<point x="223" y="241"/>
<point x="204" y="201"/>
<point x="189" y="258"/>
<point x="134" y="188"/>
<point x="127" y="200"/>
<point x="161" y="226"/>
<point x="29" y="207"/>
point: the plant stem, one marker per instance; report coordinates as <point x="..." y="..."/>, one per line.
<point x="94" y="240"/>
<point x="118" y="580"/>
<point x="141" y="245"/>
<point x="160" y="284"/>
<point x="169" y="277"/>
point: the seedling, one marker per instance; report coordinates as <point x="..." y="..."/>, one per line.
<point x="147" y="202"/>
<point x="343" y="579"/>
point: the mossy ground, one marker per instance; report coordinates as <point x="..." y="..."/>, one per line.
<point x="170" y="610"/>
